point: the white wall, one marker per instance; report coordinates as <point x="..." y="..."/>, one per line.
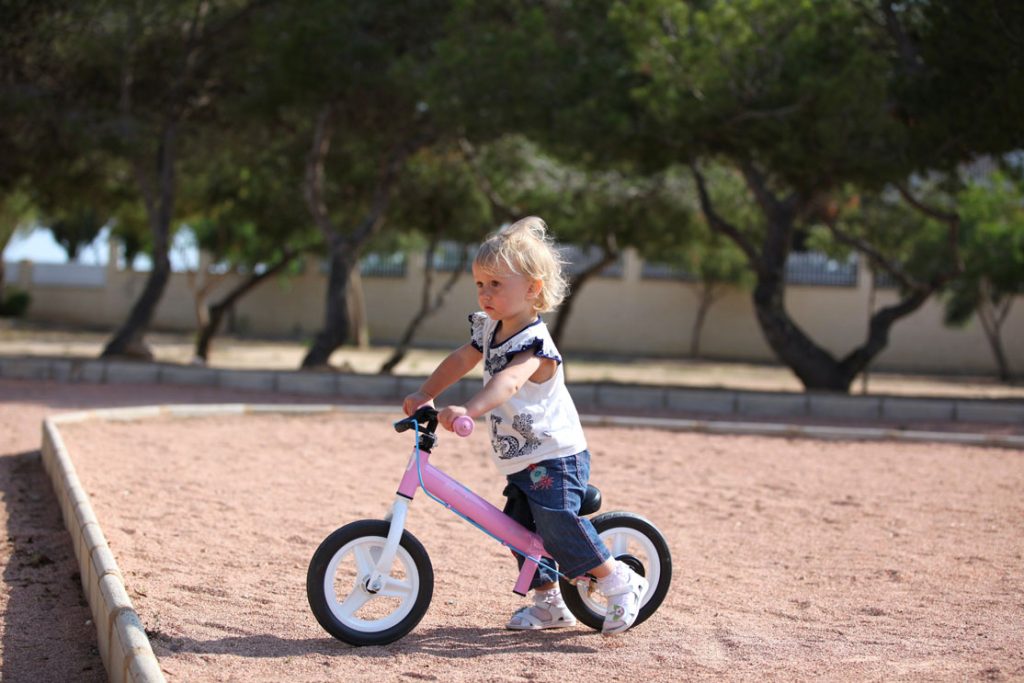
<point x="624" y="315"/>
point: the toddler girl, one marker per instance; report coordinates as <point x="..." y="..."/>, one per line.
<point x="535" y="430"/>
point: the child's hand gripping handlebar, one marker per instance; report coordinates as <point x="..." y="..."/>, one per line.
<point x="426" y="416"/>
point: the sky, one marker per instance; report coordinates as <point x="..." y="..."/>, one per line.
<point x="39" y="246"/>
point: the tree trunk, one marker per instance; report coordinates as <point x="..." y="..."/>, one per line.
<point x="336" y="328"/>
<point x="129" y="340"/>
<point x="609" y="252"/>
<point x="426" y="307"/>
<point x="344" y="250"/>
<point x="357" y="309"/>
<point x="813" y="365"/>
<point x="216" y="312"/>
<point x="992" y="319"/>
<point x="705" y="298"/>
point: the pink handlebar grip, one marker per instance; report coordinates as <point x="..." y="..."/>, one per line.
<point x="463" y="425"/>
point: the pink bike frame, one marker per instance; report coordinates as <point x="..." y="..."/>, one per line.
<point x="459" y="498"/>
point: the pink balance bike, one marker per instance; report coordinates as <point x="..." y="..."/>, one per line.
<point x="370" y="582"/>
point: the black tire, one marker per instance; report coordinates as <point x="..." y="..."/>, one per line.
<point x="635" y="541"/>
<point x="362" y="542"/>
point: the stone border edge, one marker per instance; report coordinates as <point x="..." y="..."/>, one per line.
<point x="123" y="643"/>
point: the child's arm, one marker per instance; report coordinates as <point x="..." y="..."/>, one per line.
<point x="451" y="370"/>
<point x="501" y="388"/>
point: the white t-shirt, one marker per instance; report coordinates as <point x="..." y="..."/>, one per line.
<point x="540" y="421"/>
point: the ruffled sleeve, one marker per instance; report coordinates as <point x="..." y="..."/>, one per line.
<point x="534" y="339"/>
<point x="476" y="330"/>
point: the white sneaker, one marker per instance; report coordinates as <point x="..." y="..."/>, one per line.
<point x="547" y="611"/>
<point x="624" y="590"/>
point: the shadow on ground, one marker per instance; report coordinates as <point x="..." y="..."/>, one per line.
<point x="47" y="630"/>
<point x="446" y="642"/>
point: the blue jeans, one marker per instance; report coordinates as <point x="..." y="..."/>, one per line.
<point x="546" y="498"/>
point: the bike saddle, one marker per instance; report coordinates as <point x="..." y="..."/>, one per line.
<point x="591" y="501"/>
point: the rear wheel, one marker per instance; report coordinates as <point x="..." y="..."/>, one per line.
<point x="351" y="610"/>
<point x="636" y="542"/>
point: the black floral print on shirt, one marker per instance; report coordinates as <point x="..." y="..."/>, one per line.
<point x="508" y="447"/>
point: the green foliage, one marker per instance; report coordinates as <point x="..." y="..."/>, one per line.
<point x="795" y="86"/>
<point x="992" y="245"/>
<point x="959" y="78"/>
<point x="15" y="303"/>
<point x="439" y="196"/>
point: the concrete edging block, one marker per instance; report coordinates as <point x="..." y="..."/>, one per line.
<point x="368" y="386"/>
<point x="92" y="372"/>
<point x="306" y="383"/>
<point x="125" y="650"/>
<point x="772" y="405"/>
<point x="26" y="368"/>
<point x="990" y="411"/>
<point x="122" y="372"/>
<point x="189" y="375"/>
<point x="858" y="407"/>
<point x="61" y="370"/>
<point x="718" y="402"/>
<point x="249" y="380"/>
<point x="132" y="640"/>
<point x="293" y="408"/>
<point x="632" y="397"/>
<point x="205" y="410"/>
<point x="584" y="395"/>
<point x="935" y="409"/>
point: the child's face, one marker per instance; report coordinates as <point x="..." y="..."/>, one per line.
<point x="506" y="296"/>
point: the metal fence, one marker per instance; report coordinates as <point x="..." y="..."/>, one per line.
<point x="802" y="268"/>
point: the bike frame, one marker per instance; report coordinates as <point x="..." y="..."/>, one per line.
<point x="457" y="497"/>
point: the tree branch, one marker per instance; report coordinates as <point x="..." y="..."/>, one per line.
<point x="888" y="265"/>
<point x="952" y="220"/>
<point x="719" y="224"/>
<point x="499" y="206"/>
<point x="313" y="188"/>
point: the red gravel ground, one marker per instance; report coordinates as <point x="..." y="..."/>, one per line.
<point x="794" y="559"/>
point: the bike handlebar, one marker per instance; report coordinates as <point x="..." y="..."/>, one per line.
<point x="427" y="416"/>
<point x="463" y="425"/>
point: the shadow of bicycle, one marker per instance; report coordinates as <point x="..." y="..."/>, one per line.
<point x="448" y="642"/>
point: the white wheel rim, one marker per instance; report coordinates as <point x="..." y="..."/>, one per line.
<point x="363" y="611"/>
<point x="622" y="540"/>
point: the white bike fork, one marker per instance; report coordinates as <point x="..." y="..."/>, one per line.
<point x="399" y="511"/>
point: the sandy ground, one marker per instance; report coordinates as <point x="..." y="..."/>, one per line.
<point x="794" y="560"/>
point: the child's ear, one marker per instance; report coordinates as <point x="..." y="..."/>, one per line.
<point x="535" y="288"/>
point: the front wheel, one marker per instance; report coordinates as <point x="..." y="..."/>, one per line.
<point x="355" y="612"/>
<point x="638" y="543"/>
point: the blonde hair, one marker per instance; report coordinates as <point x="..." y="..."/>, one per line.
<point x="524" y="248"/>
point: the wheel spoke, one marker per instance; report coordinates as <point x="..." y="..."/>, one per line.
<point x="365" y="561"/>
<point x="619" y="544"/>
<point x="352" y="603"/>
<point x="396" y="588"/>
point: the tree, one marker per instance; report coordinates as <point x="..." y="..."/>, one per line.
<point x="125" y="80"/>
<point x="439" y="200"/>
<point x="993" y="248"/>
<point x="247" y="215"/>
<point x="599" y="212"/>
<point x="350" y="76"/>
<point x="708" y="263"/>
<point x="803" y="99"/>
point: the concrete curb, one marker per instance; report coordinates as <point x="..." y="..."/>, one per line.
<point x="124" y="646"/>
<point x="603" y="396"/>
